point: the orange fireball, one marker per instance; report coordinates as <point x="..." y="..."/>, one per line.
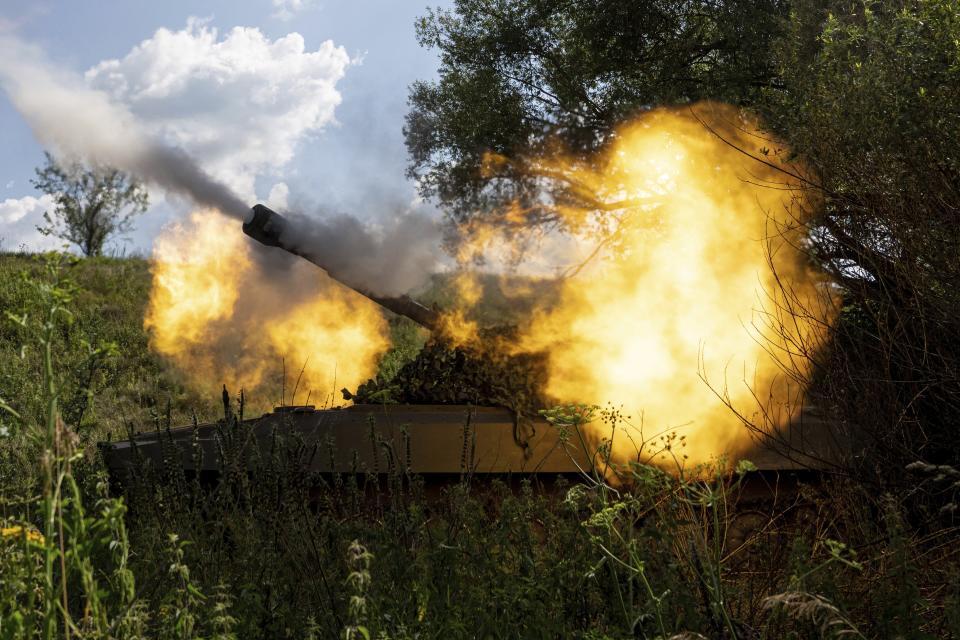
<point x="224" y="317"/>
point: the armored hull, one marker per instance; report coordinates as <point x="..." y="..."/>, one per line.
<point x="438" y="442"/>
<point x="434" y="441"/>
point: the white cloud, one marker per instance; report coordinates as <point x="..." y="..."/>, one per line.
<point x="16" y="209"/>
<point x="238" y="104"/>
<point x="286" y="9"/>
<point x="10" y="185"/>
<point x="19" y="218"/>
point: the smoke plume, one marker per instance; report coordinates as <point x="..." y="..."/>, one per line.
<point x="390" y="257"/>
<point x="78" y="122"/>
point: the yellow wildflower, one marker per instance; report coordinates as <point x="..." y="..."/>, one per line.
<point x="16" y="531"/>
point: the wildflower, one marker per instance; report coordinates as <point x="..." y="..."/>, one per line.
<point x="16" y="531"/>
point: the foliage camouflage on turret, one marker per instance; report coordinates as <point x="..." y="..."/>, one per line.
<point x="484" y="376"/>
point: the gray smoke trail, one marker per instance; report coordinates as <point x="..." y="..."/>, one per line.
<point x="79" y="122"/>
<point x="76" y="121"/>
<point x="391" y="258"/>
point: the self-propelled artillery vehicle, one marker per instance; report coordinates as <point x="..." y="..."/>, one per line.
<point x="438" y="441"/>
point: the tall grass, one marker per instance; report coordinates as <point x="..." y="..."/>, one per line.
<point x="274" y="551"/>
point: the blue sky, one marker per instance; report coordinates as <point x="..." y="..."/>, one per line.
<point x="349" y="157"/>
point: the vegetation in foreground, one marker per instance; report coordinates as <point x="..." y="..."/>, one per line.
<point x="273" y="552"/>
<point x="864" y="92"/>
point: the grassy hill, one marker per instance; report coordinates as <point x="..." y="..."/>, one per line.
<point x="129" y="383"/>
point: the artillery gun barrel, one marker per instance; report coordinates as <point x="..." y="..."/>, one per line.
<point x="270" y="228"/>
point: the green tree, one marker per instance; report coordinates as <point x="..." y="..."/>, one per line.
<point x="870" y="104"/>
<point x="867" y="98"/>
<point x="92" y="204"/>
<point x="517" y="75"/>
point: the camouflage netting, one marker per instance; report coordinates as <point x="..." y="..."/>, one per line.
<point x="444" y="374"/>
